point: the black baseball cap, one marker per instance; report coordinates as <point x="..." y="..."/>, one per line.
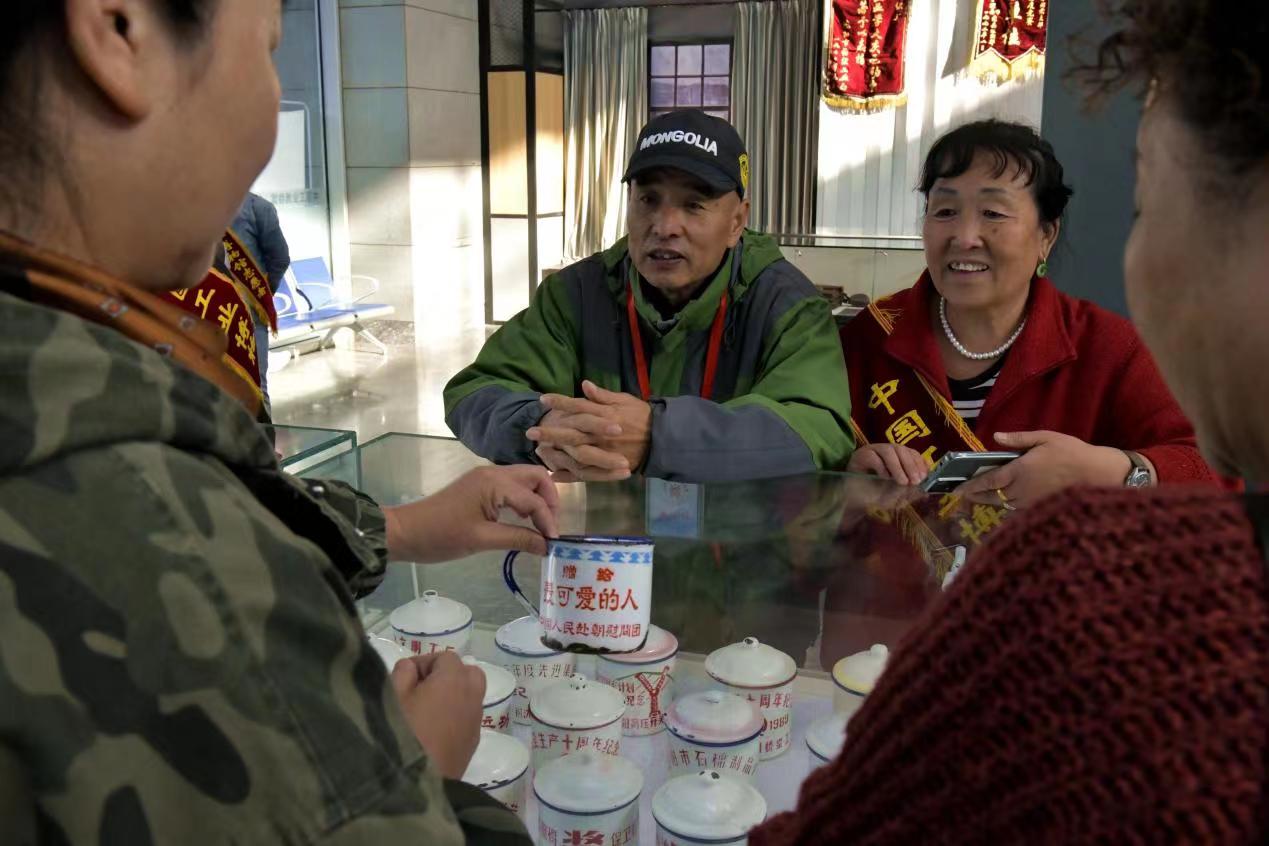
<point x="702" y="145"/>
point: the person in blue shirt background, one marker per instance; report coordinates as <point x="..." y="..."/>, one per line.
<point x="259" y="230"/>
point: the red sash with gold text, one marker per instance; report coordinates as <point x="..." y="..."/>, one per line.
<point x="218" y="301"/>
<point x="905" y="409"/>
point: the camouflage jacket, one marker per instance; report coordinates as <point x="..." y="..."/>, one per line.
<point x="180" y="658"/>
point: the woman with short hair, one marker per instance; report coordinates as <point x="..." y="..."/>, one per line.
<point x="985" y="353"/>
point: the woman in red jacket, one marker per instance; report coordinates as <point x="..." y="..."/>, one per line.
<point x="985" y="353"/>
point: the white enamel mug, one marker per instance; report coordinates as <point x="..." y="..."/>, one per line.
<point x="596" y="593"/>
<point x="706" y="807"/>
<point x="500" y="688"/>
<point x="825" y="738"/>
<point x="715" y="730"/>
<point x="500" y="767"/>
<point x="575" y="715"/>
<point x="432" y="623"/>
<point x="588" y="800"/>
<point x="763" y="675"/>
<point x="534" y="666"/>
<point x="646" y="679"/>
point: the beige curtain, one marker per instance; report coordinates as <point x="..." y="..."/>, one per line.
<point x="605" y="106"/>
<point x="775" y="90"/>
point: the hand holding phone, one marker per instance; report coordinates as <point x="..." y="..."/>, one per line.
<point x="957" y="468"/>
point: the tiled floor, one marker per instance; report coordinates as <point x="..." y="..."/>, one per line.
<point x="370" y="393"/>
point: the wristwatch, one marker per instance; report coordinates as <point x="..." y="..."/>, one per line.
<point x="1139" y="476"/>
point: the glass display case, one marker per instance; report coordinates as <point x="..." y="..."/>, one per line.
<point x="318" y="453"/>
<point x="820" y="567"/>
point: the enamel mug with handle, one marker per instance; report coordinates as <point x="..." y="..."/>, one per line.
<point x="595" y="596"/>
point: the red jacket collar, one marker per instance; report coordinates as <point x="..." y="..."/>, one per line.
<point x="1044" y="344"/>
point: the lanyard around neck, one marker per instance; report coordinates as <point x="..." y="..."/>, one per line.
<point x="641" y="358"/>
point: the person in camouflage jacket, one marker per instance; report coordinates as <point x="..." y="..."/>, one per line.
<point x="181" y="661"/>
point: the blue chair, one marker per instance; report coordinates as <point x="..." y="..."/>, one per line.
<point x="308" y="304"/>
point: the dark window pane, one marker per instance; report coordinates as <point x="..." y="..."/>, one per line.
<point x="690" y="60"/>
<point x="662" y="61"/>
<point x="717" y="59"/>
<point x="724" y="115"/>
<point x="718" y="91"/>
<point x="662" y="93"/>
<point x="689" y="92"/>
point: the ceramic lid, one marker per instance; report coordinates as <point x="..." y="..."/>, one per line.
<point x="577" y="702"/>
<point x="715" y="716"/>
<point x="588" y="782"/>
<point x="858" y="673"/>
<point x="708" y="806"/>
<point x="524" y="637"/>
<point x="388" y="650"/>
<point x="827" y="734"/>
<point x="660" y="646"/>
<point x="499" y="684"/>
<point x="750" y="664"/>
<point x="431" y="614"/>
<point x="500" y="759"/>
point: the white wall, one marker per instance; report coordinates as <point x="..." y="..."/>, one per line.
<point x="869" y="165"/>
<point x="412" y="129"/>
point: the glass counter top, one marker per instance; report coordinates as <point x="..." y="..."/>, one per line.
<point x="317" y="453"/>
<point x="820" y="566"/>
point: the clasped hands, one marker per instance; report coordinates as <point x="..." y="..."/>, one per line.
<point x="602" y="436"/>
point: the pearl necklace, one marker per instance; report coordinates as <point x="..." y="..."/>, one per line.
<point x="960" y="348"/>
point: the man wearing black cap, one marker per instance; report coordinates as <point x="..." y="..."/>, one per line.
<point x="690" y="350"/>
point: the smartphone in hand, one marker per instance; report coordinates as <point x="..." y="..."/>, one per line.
<point x="957" y="468"/>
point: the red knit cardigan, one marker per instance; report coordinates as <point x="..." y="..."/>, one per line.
<point x="1098" y="673"/>
<point x="1076" y="369"/>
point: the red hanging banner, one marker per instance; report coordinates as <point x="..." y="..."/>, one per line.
<point x="1010" y="40"/>
<point x="865" y="43"/>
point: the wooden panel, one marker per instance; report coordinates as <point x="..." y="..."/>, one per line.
<point x="508" y="150"/>
<point x="550" y="116"/>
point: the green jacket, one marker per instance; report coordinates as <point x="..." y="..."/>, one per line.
<point x="781" y="401"/>
<point x="180" y="658"/>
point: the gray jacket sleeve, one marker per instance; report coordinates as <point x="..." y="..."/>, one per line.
<point x="492" y="422"/>
<point x="696" y="440"/>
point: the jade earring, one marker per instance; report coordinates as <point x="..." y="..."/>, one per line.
<point x="1043" y="269"/>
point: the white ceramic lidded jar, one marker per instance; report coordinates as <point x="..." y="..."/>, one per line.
<point x="715" y="730"/>
<point x="825" y="738"/>
<point x="432" y="623"/>
<point x="500" y="767"/>
<point x="532" y="664"/>
<point x="389" y="651"/>
<point x="856" y="675"/>
<point x="706" y="807"/>
<point x="764" y="675"/>
<point x="500" y="686"/>
<point x="646" y="679"/>
<point x="588" y="798"/>
<point x="575" y="715"/>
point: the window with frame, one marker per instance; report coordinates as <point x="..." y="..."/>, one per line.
<point x="690" y="76"/>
